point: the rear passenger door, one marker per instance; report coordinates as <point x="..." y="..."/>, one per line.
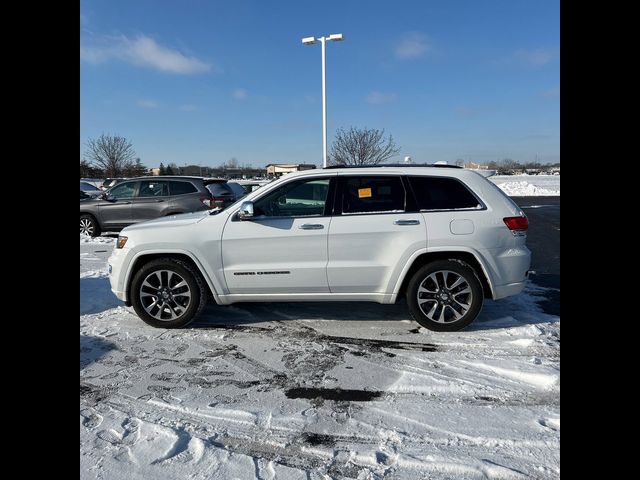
<point x="374" y="232"/>
<point x="152" y="200"/>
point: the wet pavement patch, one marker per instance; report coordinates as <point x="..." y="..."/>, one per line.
<point x="379" y="344"/>
<point x="335" y="394"/>
<point x="318" y="439"/>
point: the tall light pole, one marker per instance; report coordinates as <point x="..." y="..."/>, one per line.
<point x="335" y="37"/>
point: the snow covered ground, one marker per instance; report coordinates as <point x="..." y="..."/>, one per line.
<point x="528" y="185"/>
<point x="315" y="391"/>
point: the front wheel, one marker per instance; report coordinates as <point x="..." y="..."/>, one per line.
<point x="168" y="293"/>
<point x="89" y="225"/>
<point x="445" y="295"/>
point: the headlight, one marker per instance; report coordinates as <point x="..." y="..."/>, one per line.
<point x="121" y="242"/>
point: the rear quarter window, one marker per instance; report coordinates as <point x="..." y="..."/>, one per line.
<point x="441" y="193"/>
<point x="181" y="188"/>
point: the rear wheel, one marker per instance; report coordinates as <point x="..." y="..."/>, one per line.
<point x="89" y="225"/>
<point x="168" y="293"/>
<point x="445" y="295"/>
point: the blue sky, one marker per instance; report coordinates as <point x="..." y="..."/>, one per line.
<point x="201" y="82"/>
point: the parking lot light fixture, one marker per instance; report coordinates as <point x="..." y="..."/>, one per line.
<point x="335" y="37"/>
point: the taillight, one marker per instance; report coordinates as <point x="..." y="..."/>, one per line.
<point x="212" y="202"/>
<point x="516" y="224"/>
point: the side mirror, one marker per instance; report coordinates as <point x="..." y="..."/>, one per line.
<point x="246" y="211"/>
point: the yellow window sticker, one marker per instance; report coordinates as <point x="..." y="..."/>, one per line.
<point x="364" y="192"/>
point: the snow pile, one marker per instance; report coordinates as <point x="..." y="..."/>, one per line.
<point x="528" y="185"/>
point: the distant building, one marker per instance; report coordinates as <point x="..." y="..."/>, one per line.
<point x="476" y="166"/>
<point x="277" y="169"/>
<point x="194" y="171"/>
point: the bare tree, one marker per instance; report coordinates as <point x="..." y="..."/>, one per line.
<point x="111" y="153"/>
<point x="136" y="169"/>
<point x="366" y="146"/>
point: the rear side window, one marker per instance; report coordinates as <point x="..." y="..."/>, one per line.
<point x="181" y="188"/>
<point x="372" y="195"/>
<point x="153" y="189"/>
<point x="439" y="193"/>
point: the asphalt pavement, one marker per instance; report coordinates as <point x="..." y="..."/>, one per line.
<point x="543" y="239"/>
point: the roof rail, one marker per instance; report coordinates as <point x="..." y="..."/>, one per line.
<point x="396" y="165"/>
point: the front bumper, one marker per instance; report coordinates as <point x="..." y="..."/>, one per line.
<point x="117" y="273"/>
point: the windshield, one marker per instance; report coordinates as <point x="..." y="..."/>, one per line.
<point x="88" y="187"/>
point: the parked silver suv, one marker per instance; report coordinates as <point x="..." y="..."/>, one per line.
<point x="144" y="198"/>
<point x="444" y="238"/>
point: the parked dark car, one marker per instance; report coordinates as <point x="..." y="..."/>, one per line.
<point x="110" y="182"/>
<point x="238" y="190"/>
<point x="89" y="189"/>
<point x="145" y="198"/>
<point x="224" y="194"/>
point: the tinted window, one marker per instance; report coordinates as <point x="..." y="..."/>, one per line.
<point x="372" y="195"/>
<point x="295" y="199"/>
<point x="151" y="188"/>
<point x="237" y="189"/>
<point x="220" y="189"/>
<point x="438" y="193"/>
<point x="123" y="190"/>
<point x="181" y="188"/>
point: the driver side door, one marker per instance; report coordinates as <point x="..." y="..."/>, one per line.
<point x="283" y="248"/>
<point x="116" y="212"/>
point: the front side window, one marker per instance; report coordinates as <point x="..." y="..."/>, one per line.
<point x="441" y="193"/>
<point x="123" y="190"/>
<point x="150" y="188"/>
<point x="372" y="195"/>
<point x="302" y="198"/>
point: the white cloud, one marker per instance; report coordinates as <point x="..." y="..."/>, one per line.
<point x="240" y="94"/>
<point x="378" y="98"/>
<point x="534" y="58"/>
<point x="412" y="45"/>
<point x="148" y="104"/>
<point x="141" y="51"/>
<point x="188" y="107"/>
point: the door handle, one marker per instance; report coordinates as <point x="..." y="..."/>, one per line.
<point x="311" y="226"/>
<point x="158" y="201"/>
<point x="407" y="222"/>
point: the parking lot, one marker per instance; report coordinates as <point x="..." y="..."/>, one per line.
<point x="318" y="390"/>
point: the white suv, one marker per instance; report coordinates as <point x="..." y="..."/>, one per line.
<point x="441" y="236"/>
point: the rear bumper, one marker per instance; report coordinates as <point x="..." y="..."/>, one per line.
<point x="502" y="291"/>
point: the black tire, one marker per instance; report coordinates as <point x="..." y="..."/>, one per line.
<point x="445" y="309"/>
<point x="177" y="310"/>
<point x="89" y="225"/>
